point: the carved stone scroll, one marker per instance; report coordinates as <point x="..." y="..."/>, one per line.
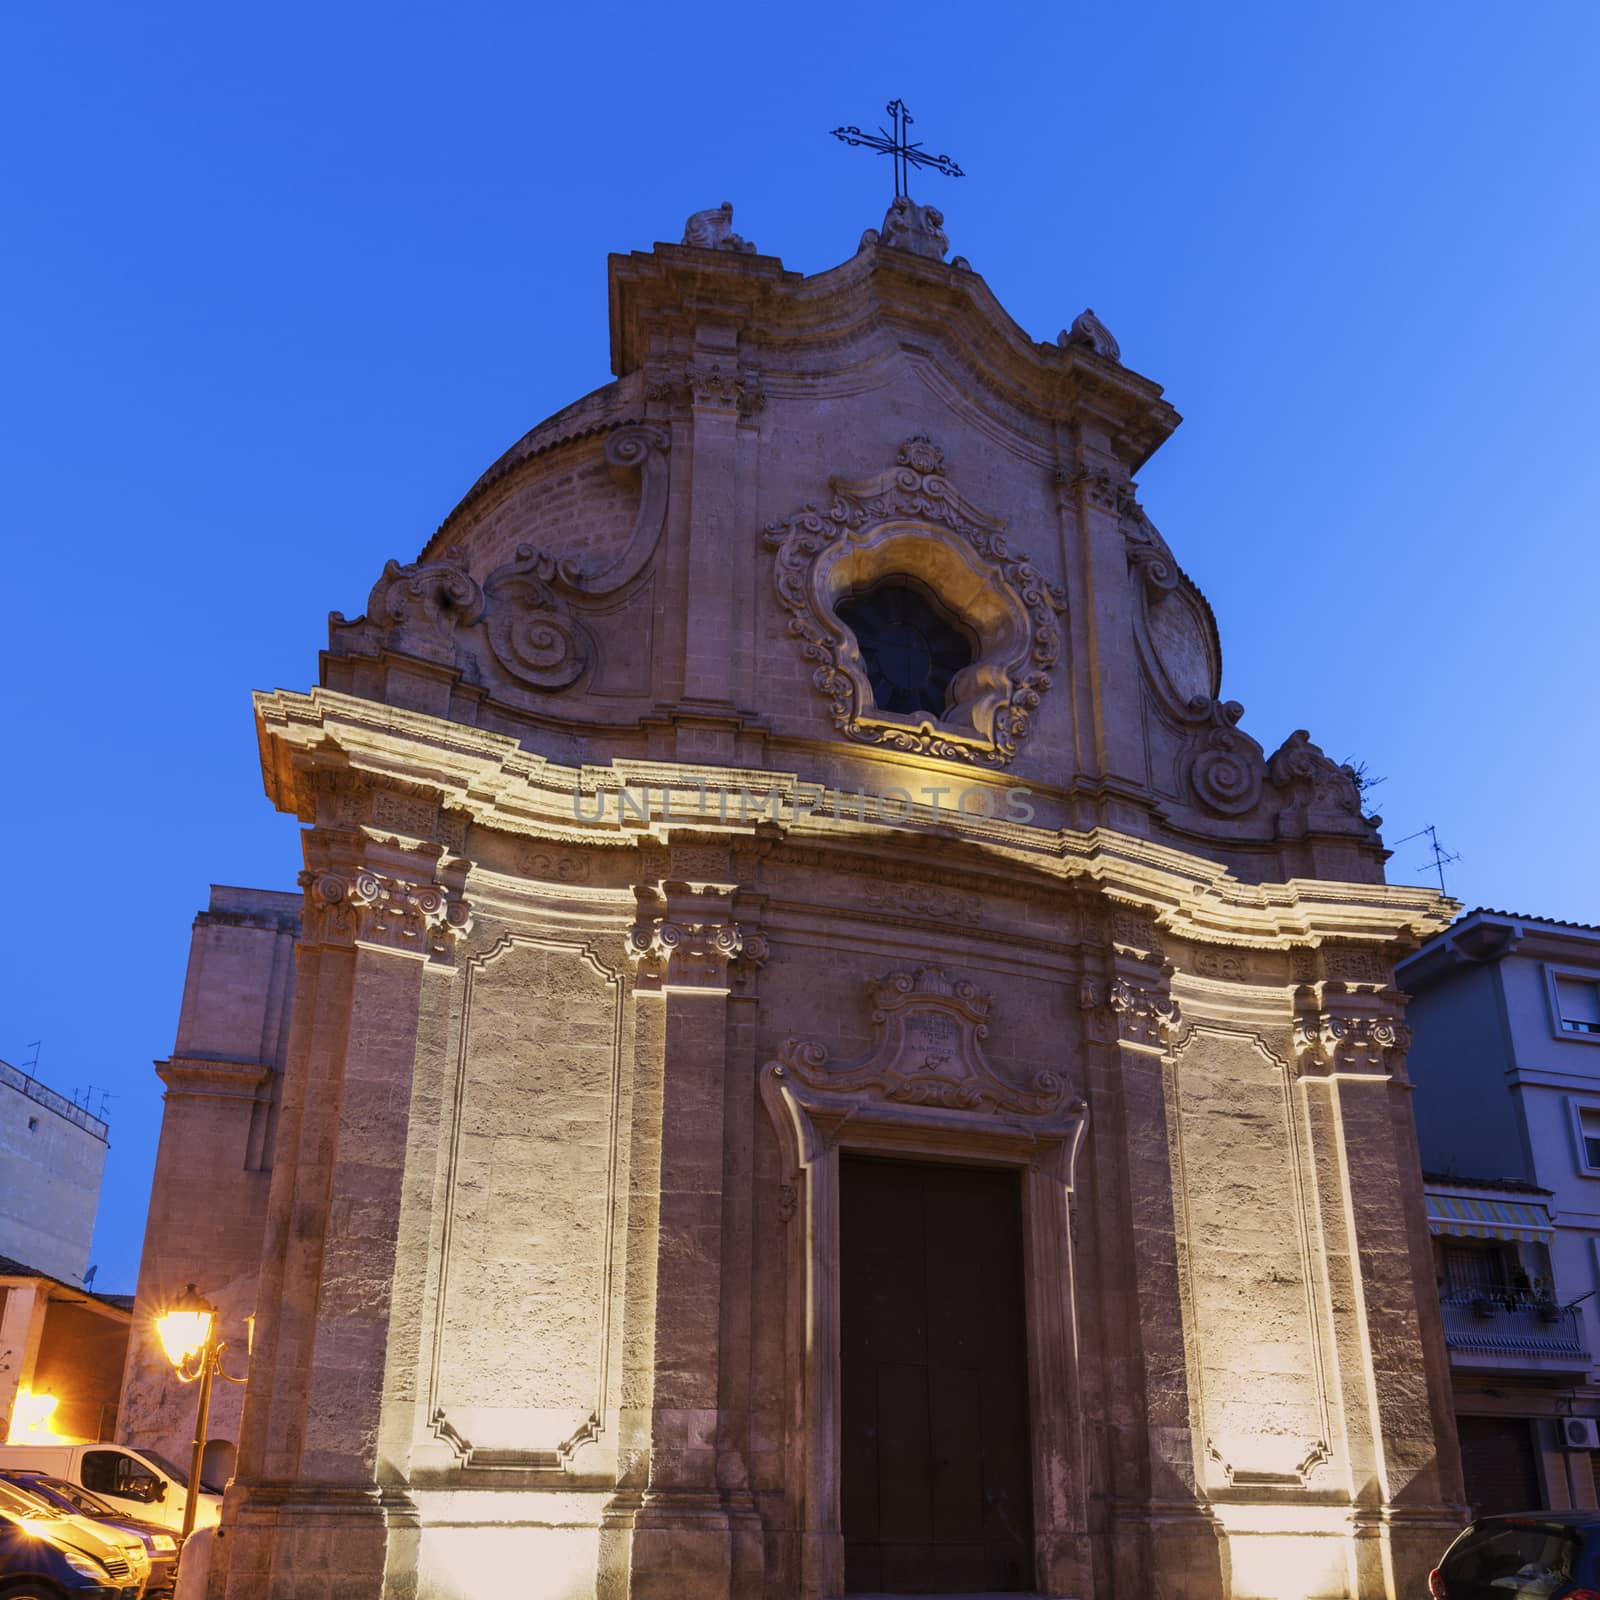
<point x="929" y="1052"/>
<point x="530" y="609"/>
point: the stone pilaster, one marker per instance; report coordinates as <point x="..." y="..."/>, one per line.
<point x="1351" y="1046"/>
<point x="687" y="1529"/>
<point x="314" y="1510"/>
<point x="1158" y="1521"/>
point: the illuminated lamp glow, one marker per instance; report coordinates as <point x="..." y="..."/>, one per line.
<point x="30" y="1419"/>
<point x="185" y="1328"/>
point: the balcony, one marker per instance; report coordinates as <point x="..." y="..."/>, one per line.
<point x="1514" y="1333"/>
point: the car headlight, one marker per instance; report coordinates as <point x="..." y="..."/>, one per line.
<point x="87" y="1565"/>
<point x="163" y="1541"/>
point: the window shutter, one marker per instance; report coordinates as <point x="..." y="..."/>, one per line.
<point x="1579" y="1001"/>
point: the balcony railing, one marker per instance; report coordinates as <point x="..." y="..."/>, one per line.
<point x="1515" y="1327"/>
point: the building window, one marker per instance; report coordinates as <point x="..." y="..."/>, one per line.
<point x="911" y="647"/>
<point x="1589" y="1136"/>
<point x="1474" y="1267"/>
<point x="1578" y="1006"/>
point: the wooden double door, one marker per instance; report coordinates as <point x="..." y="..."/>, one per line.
<point x="936" y="1476"/>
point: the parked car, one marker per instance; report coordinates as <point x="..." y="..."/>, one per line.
<point x="122" y="1554"/>
<point x="1532" y="1555"/>
<point x="160" y="1546"/>
<point x="138" y="1482"/>
<point x="34" y="1566"/>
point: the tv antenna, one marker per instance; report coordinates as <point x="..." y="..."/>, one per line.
<point x="1441" y="857"/>
<point x="31" y="1065"/>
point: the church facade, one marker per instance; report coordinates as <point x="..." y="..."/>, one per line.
<point x="823" y="1057"/>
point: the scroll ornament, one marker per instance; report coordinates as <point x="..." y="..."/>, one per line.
<point x="530" y="609"/>
<point x="1308" y="777"/>
<point x="930" y="1026"/>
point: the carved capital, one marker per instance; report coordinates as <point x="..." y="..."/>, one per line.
<point x="1121" y="1012"/>
<point x="1338" y="1039"/>
<point x="690" y="955"/>
<point x="359" y="906"/>
<point x="708" y="384"/>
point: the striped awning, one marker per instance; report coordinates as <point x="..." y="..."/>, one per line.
<point x="1475" y="1217"/>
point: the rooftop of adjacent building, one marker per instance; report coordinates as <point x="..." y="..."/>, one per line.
<point x="26" y="1084"/>
<point x="11" y="1270"/>
<point x="1485" y="935"/>
<point x="1451" y="1180"/>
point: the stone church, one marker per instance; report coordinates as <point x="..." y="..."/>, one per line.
<point x="823" y="1058"/>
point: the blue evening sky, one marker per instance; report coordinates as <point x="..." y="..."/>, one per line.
<point x="280" y="281"/>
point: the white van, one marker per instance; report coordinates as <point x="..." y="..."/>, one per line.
<point x="139" y="1483"/>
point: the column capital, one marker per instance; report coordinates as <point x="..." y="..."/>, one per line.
<point x="353" y="905"/>
<point x="1123" y="1012"/>
<point x="1345" y="1036"/>
<point x="687" y="938"/>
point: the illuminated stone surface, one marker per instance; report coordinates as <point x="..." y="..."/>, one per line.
<point x="606" y="967"/>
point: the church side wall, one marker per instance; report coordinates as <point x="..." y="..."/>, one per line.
<point x="213" y="1162"/>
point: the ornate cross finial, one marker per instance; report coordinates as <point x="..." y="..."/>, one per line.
<point x="906" y="154"/>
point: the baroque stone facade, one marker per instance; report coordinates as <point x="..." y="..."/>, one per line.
<point x="644" y="934"/>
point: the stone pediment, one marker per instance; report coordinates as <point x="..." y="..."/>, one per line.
<point x="929" y="1052"/>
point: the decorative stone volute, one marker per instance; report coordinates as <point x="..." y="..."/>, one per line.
<point x="908" y="226"/>
<point x="713" y="230"/>
<point x="1088" y="332"/>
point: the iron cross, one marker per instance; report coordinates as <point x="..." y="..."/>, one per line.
<point x="906" y="154"/>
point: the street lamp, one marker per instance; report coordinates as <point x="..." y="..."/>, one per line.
<point x="188" y="1330"/>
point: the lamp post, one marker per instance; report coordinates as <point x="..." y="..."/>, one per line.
<point x="188" y="1330"/>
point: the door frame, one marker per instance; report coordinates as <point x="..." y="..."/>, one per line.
<point x="817" y="1125"/>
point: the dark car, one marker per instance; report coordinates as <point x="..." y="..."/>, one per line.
<point x="33" y="1567"/>
<point x="159" y="1543"/>
<point x="1528" y="1555"/>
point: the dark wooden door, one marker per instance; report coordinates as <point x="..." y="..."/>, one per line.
<point x="1498" y="1466"/>
<point x="936" y="1485"/>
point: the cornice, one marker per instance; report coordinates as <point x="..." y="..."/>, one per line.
<point x="938" y="305"/>
<point x="211" y="1078"/>
<point x="488" y="780"/>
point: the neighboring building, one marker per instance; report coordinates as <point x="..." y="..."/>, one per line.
<point x="822" y="1057"/>
<point x="1505" y="1057"/>
<point x="61" y="1356"/>
<point x="214" y="1163"/>
<point x="52" y="1157"/>
<point x="1519" y="1357"/>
